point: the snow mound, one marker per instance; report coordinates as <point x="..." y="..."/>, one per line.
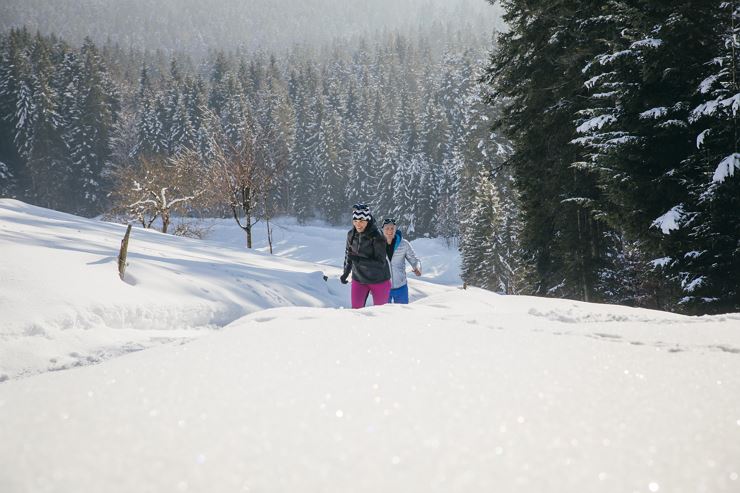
<point x="323" y="244"/>
<point x="463" y="391"/>
<point x="63" y="304"/>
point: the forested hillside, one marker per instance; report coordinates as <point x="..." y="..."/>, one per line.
<point x="623" y="117"/>
<point x="398" y="123"/>
<point x="589" y="151"/>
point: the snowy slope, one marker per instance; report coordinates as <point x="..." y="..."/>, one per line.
<point x="463" y="390"/>
<point x="319" y="243"/>
<point x="63" y="304"/>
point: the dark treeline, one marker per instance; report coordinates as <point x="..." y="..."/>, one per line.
<point x="623" y="116"/>
<point x="400" y="124"/>
<point x="58" y="109"/>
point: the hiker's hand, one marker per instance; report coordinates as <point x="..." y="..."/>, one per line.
<point x="417" y="272"/>
<point x="343" y="278"/>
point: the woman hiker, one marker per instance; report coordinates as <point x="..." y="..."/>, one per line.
<point x="399" y="251"/>
<point x="365" y="258"/>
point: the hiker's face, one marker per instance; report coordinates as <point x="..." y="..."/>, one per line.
<point x="359" y="224"/>
<point x="389" y="230"/>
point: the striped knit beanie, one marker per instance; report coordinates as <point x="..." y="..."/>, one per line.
<point x="361" y="212"/>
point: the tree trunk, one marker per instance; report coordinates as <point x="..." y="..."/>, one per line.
<point x="123" y="252"/>
<point x="269" y="235"/>
<point x="247" y="206"/>
<point x="165" y="221"/>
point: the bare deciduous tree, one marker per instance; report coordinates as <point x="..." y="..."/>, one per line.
<point x="243" y="176"/>
<point x="157" y="187"/>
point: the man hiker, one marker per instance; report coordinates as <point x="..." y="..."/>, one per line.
<point x="399" y="250"/>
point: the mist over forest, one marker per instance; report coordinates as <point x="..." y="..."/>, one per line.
<point x="196" y="26"/>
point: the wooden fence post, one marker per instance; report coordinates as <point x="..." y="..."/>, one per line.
<point x="123" y="252"/>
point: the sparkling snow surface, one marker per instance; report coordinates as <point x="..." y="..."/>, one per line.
<point x="461" y="391"/>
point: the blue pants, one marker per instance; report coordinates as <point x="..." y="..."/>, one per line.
<point x="400" y="295"/>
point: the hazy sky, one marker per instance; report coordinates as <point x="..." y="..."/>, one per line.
<point x="194" y="25"/>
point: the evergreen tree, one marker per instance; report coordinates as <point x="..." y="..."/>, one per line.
<point x="536" y="73"/>
<point x="331" y="168"/>
<point x="149" y="126"/>
<point x="45" y="150"/>
<point x="653" y="94"/>
<point x="486" y="262"/>
<point x="90" y="132"/>
<point x="303" y="175"/>
<point x="707" y="261"/>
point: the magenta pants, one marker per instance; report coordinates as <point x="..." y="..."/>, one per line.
<point x="361" y="291"/>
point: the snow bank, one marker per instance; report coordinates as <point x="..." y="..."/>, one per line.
<point x="63" y="304"/>
<point x="323" y="244"/>
<point x="464" y="391"/>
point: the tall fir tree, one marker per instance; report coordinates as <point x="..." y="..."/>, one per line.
<point x="46" y="156"/>
<point x="536" y="73"/>
<point x="486" y="263"/>
<point x="90" y="132"/>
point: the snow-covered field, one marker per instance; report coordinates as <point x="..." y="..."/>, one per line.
<point x="321" y="244"/>
<point x="63" y="304"/>
<point x="463" y="390"/>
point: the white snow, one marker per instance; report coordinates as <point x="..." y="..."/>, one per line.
<point x="461" y="391"/>
<point x="595" y="123"/>
<point x="591" y="83"/>
<point x="660" y="262"/>
<point x="711" y="107"/>
<point x="647" y="43"/>
<point x="654" y="113"/>
<point x="706" y="84"/>
<point x="702" y="137"/>
<point x="605" y="95"/>
<point x="672" y="123"/>
<point x="670" y="220"/>
<point x="726" y="168"/>
<point x="319" y="243"/>
<point x="691" y="285"/>
<point x="63" y="304"/>
<point x="611" y="57"/>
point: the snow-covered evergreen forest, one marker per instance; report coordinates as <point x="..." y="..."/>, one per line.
<point x="395" y="122"/>
<point x="178" y="181"/>
<point x="588" y="152"/>
<point x="623" y="118"/>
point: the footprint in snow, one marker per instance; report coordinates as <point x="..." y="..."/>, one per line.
<point x="607" y="336"/>
<point x="726" y="349"/>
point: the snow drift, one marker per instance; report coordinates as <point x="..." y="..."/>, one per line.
<point x="462" y="391"/>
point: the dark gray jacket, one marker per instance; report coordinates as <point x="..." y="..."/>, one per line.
<point x="365" y="257"/>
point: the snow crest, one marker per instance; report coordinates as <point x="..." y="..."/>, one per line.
<point x="669" y="221"/>
<point x="726" y="168"/>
